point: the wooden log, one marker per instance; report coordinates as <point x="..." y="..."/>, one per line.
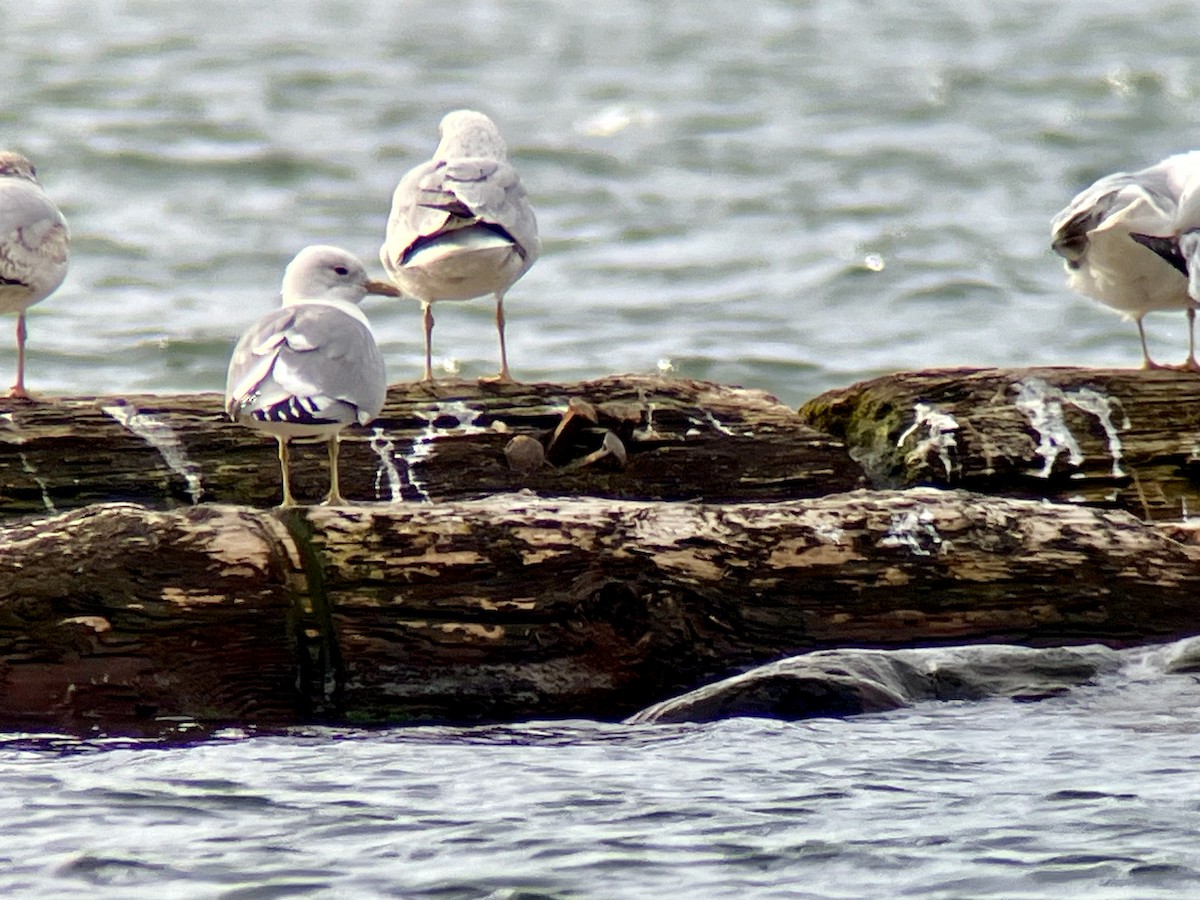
<point x="680" y="439"/>
<point x="117" y="617"/>
<point x="1127" y="439"/>
<point x="515" y="606"/>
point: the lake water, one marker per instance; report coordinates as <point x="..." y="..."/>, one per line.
<point x="786" y="195"/>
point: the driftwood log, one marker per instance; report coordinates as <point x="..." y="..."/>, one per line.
<point x="1122" y="438"/>
<point x="682" y="440"/>
<point x="517" y="606"/>
<point x="659" y="536"/>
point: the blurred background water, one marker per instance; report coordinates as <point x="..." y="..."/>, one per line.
<point x="784" y="195"/>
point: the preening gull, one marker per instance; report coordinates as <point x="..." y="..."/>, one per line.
<point x="311" y="368"/>
<point x="1095" y="235"/>
<point x="33" y="249"/>
<point x="461" y="226"/>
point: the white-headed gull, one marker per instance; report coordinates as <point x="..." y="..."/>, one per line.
<point x="311" y="368"/>
<point x="34" y="247"/>
<point x="461" y="226"/>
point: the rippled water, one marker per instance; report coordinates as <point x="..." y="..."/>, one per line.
<point x="786" y="195"/>
<point x="1090" y="795"/>
<point x="790" y="196"/>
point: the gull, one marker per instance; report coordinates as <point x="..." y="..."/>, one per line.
<point x="1096" y="236"/>
<point x="33" y="249"/>
<point x="1179" y="244"/>
<point x="461" y="226"/>
<point x="311" y="368"/>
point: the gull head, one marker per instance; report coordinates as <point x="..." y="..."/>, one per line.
<point x="322" y="272"/>
<point x="14" y="165"/>
<point x="466" y="133"/>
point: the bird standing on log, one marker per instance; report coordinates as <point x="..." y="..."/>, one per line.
<point x="1179" y="245"/>
<point x="33" y="249"/>
<point x="311" y="368"/>
<point x="461" y="226"/>
<point x="1096" y="236"/>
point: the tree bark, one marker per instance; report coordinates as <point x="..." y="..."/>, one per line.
<point x="681" y="440"/>
<point x="1119" y="438"/>
<point x="516" y="606"/>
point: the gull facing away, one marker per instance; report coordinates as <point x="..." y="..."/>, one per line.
<point x="1096" y="236"/>
<point x="461" y="226"/>
<point x="310" y="368"/>
<point x="33" y="249"/>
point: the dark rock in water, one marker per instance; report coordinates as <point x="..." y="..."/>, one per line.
<point x="1184" y="658"/>
<point x="849" y="682"/>
<point x="977" y="672"/>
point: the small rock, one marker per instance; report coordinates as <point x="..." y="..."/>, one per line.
<point x="525" y="454"/>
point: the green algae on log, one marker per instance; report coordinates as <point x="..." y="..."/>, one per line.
<point x="1120" y="438"/>
<point x="512" y="607"/>
<point x="680" y="439"/>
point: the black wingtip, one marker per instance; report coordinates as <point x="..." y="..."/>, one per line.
<point x="1166" y="247"/>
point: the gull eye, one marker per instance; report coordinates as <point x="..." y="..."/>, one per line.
<point x="341" y="270"/>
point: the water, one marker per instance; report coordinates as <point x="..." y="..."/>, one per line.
<point x="785" y="195"/>
<point x="789" y="197"/>
<point x="992" y="799"/>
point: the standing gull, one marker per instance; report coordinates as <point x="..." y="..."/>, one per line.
<point x="1105" y="261"/>
<point x="33" y="248"/>
<point x="461" y="226"/>
<point x="1179" y="243"/>
<point x="311" y="368"/>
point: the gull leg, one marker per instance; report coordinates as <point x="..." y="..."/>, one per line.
<point x="1190" y="364"/>
<point x="1147" y="362"/>
<point x="428" y="341"/>
<point x="504" y="377"/>
<point x="18" y="392"/>
<point x="334" y="498"/>
<point x="284" y="459"/>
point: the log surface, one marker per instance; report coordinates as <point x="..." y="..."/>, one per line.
<point x="1123" y="438"/>
<point x="683" y="440"/>
<point x="567" y="550"/>
<point x="516" y="606"/>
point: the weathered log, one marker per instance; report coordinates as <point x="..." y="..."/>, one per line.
<point x="116" y="615"/>
<point x="1120" y="438"/>
<point x="516" y="606"/>
<point x="681" y="440"/>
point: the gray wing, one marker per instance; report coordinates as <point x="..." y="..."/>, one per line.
<point x="1157" y="188"/>
<point x="33" y="240"/>
<point x="441" y="196"/>
<point x="307" y="363"/>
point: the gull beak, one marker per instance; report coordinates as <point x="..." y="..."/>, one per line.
<point x="382" y="287"/>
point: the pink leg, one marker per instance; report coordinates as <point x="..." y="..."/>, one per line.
<point x="1147" y="362"/>
<point x="504" y="376"/>
<point x="428" y="342"/>
<point x="18" y="392"/>
<point x="1191" y="365"/>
